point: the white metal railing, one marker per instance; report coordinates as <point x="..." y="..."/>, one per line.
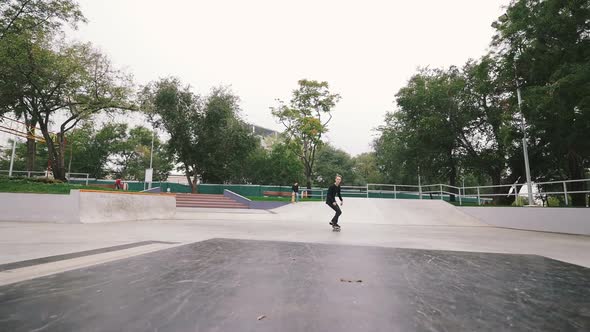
<point x="85" y="177"/>
<point x="69" y="176"/>
<point x="313" y="192"/>
<point x="28" y="173"/>
<point x="482" y="193"/>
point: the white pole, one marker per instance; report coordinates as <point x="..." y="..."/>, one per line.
<point x="565" y="194"/>
<point x="462" y="190"/>
<point x="12" y="157"/>
<point x="525" y="147"/>
<point x="152" y="156"/>
<point x="419" y="184"/>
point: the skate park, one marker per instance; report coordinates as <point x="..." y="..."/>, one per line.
<point x="407" y="264"/>
<point x="294" y="166"/>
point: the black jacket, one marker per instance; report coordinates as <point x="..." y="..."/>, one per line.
<point x="332" y="192"/>
<point x="295" y="188"/>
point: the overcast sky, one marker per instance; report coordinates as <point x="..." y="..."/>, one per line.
<point x="366" y="50"/>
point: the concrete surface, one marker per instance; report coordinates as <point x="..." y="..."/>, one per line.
<point x="559" y="220"/>
<point x="303" y="222"/>
<point x="238" y="285"/>
<point x="382" y="211"/>
<point x="425" y="266"/>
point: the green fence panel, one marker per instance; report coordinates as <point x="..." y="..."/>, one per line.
<point x="258" y="190"/>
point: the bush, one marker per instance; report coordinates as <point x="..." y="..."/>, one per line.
<point x="520" y="201"/>
<point x="553" y="201"/>
<point x="46" y="180"/>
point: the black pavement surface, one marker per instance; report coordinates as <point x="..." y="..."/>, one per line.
<point x="239" y="285"/>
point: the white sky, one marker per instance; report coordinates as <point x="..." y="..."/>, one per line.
<point x="366" y="50"/>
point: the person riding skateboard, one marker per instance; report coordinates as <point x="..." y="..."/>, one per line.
<point x="334" y="191"/>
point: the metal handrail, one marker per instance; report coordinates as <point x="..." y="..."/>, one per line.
<point x="461" y="191"/>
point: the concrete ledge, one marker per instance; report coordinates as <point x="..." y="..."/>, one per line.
<point x="557" y="220"/>
<point x="85" y="207"/>
<point x="98" y="207"/>
<point x="259" y="205"/>
<point x="39" y="208"/>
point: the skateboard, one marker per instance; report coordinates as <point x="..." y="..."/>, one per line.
<point x="335" y="228"/>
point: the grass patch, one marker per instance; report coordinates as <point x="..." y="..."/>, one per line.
<point x="40" y="186"/>
<point x="280" y="199"/>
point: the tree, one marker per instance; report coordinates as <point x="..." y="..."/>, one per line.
<point x="133" y="155"/>
<point x="91" y="151"/>
<point x="546" y="45"/>
<point x="332" y="162"/>
<point x="55" y="80"/>
<point x="207" y="136"/>
<point x="278" y="166"/>
<point x="22" y="21"/>
<point x="305" y="120"/>
<point x="18" y="16"/>
<point x="490" y="130"/>
<point x="173" y="108"/>
<point x="225" y="140"/>
<point x="429" y="119"/>
<point x="20" y="158"/>
<point x="365" y="169"/>
<point x="283" y="165"/>
<point x="391" y="154"/>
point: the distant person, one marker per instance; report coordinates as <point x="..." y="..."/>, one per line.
<point x="331" y="201"/>
<point x="296" y="191"/>
<point x="118" y="184"/>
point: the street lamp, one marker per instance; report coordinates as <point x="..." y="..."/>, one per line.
<point x="152" y="158"/>
<point x="524" y="138"/>
<point x="12" y="156"/>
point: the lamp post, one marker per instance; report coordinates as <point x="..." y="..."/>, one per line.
<point x="524" y="138"/>
<point x="152" y="157"/>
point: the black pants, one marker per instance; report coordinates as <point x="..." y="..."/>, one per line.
<point x="338" y="212"/>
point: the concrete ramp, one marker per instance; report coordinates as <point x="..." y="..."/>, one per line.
<point x="382" y="211"/>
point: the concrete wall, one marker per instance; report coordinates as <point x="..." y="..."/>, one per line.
<point x="107" y="207"/>
<point x="85" y="207"/>
<point x="558" y="220"/>
<point x="260" y="205"/>
<point x="39" y="208"/>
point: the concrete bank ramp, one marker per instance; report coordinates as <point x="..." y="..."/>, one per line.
<point x="382" y="211"/>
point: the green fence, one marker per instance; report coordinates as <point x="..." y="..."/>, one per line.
<point x="139" y="186"/>
<point x="258" y="190"/>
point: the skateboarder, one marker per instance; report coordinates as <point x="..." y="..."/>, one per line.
<point x="331" y="201"/>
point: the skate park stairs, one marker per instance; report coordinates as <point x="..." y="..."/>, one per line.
<point x="207" y="201"/>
